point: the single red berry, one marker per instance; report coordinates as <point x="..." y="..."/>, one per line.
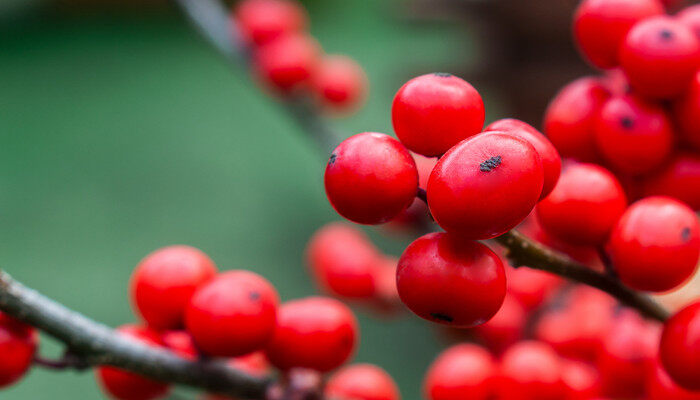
<point x="690" y="17"/>
<point x="163" y="283"/>
<point x="551" y="161"/>
<point x="660" y="386"/>
<point x="656" y="244"/>
<point x="581" y="381"/>
<point x="339" y="83"/>
<point x="315" y="332"/>
<point x="286" y="65"/>
<point x="180" y="343"/>
<point x="679" y="178"/>
<point x="361" y="382"/>
<point x="123" y="385"/>
<point x="18" y="343"/>
<point x="680" y="347"/>
<point x="584" y="206"/>
<point x="451" y="281"/>
<point x="505" y="328"/>
<point x="600" y="26"/>
<point x="431" y="113"/>
<point x="464" y="371"/>
<point x="531" y="371"/>
<point x="530" y="286"/>
<point x="570" y="118"/>
<point x="232" y="315"/>
<point x="371" y="178"/>
<point x="261" y="21"/>
<point x="633" y="136"/>
<point x="660" y="57"/>
<point x="686" y="111"/>
<point x="485" y="185"/>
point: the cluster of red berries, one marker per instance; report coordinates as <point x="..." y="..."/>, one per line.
<point x="290" y="62"/>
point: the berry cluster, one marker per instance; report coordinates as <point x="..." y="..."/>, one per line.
<point x="287" y="60"/>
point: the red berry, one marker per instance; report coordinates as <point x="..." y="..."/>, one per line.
<point x="431" y="113"/>
<point x="530" y="286"/>
<point x="371" y="178"/>
<point x="686" y="111"/>
<point x="582" y="382"/>
<point x="362" y="382"/>
<point x="315" y="332"/>
<point x="551" y="162"/>
<point x="232" y="315"/>
<point x="660" y="57"/>
<point x="124" y="385"/>
<point x="505" y="328"/>
<point x="163" y="283"/>
<point x="339" y="83"/>
<point x="465" y="371"/>
<point x="261" y="21"/>
<point x="531" y="371"/>
<point x="445" y="279"/>
<point x="287" y="64"/>
<point x="344" y="261"/>
<point x="485" y="185"/>
<point x="18" y="343"/>
<point x="679" y="178"/>
<point x="690" y="17"/>
<point x="633" y="136"/>
<point x="570" y="118"/>
<point x="584" y="206"/>
<point x="680" y="347"/>
<point x="660" y="386"/>
<point x="655" y="244"/>
<point x="600" y="26"/>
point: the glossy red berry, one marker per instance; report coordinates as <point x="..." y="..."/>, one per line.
<point x="660" y="386"/>
<point x="686" y="112"/>
<point x="123" y="385"/>
<point x="371" y="178"/>
<point x="431" y="113"/>
<point x="286" y="65"/>
<point x="581" y="381"/>
<point x="660" y="57"/>
<point x="464" y="371"/>
<point x="584" y="206"/>
<point x="680" y="347"/>
<point x="679" y="178"/>
<point x="18" y="343"/>
<point x="600" y="26"/>
<point x="361" y="382"/>
<point x="485" y="185"/>
<point x="315" y="332"/>
<point x="632" y="135"/>
<point x="656" y="244"/>
<point x="551" y="161"/>
<point x="339" y="83"/>
<point x="505" y="328"/>
<point x="232" y="315"/>
<point x="163" y="283"/>
<point x="531" y="371"/>
<point x="570" y="118"/>
<point x="451" y="281"/>
<point x="261" y="21"/>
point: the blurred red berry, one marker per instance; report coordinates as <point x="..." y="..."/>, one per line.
<point x="582" y="381"/>
<point x="181" y="343"/>
<point x="505" y="328"/>
<point x="339" y="83"/>
<point x="464" y="371"/>
<point x="679" y="178"/>
<point x="261" y="21"/>
<point x="287" y="64"/>
<point x="18" y="344"/>
<point x="531" y="371"/>
<point x="690" y="17"/>
<point x="361" y="382"/>
<point x="530" y="286"/>
<point x="680" y="347"/>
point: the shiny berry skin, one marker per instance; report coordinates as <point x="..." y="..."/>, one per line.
<point x="570" y="118"/>
<point x="584" y="206"/>
<point x="124" y="385"/>
<point x="680" y="347"/>
<point x="632" y="135"/>
<point x="316" y="333"/>
<point x="660" y="386"/>
<point x="600" y="26"/>
<point x="371" y="178"/>
<point x="452" y="281"/>
<point x="232" y="315"/>
<point x="433" y="112"/>
<point x="505" y="328"/>
<point x="690" y="17"/>
<point x="261" y="21"/>
<point x="464" y="371"/>
<point x="656" y="244"/>
<point x="582" y="381"/>
<point x="686" y="112"/>
<point x="339" y="83"/>
<point x="485" y="185"/>
<point x="163" y="283"/>
<point x="679" y="178"/>
<point x="660" y="57"/>
<point x="287" y="64"/>
<point x="343" y="261"/>
<point x="531" y="371"/>
<point x="551" y="161"/>
<point x="18" y="343"/>
<point x="361" y="382"/>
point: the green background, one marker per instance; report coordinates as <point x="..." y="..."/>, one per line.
<point x="124" y="133"/>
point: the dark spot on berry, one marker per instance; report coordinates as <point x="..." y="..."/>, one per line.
<point x="665" y="34"/>
<point x="685" y="234"/>
<point x="254" y="296"/>
<point x="490" y="164"/>
<point x="331" y="160"/>
<point x="441" y="317"/>
<point x="442" y="74"/>
<point x="627" y="122"/>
